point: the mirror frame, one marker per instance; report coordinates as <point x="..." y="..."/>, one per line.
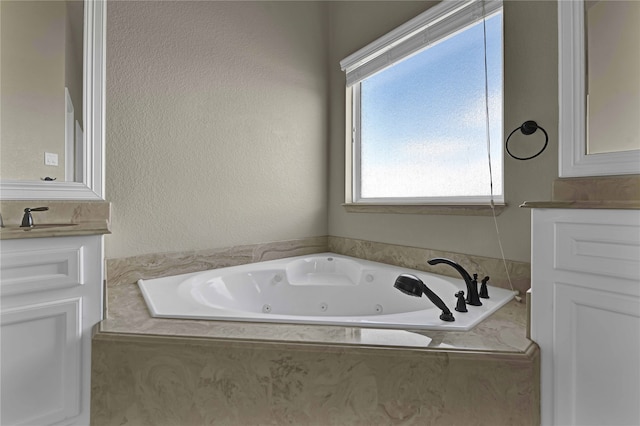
<point x="92" y="185"/>
<point x="573" y="158"/>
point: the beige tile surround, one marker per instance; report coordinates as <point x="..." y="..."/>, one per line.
<point x="129" y="270"/>
<point x="416" y="258"/>
<point x="602" y="188"/>
<point x="156" y="381"/>
<point x="151" y="371"/>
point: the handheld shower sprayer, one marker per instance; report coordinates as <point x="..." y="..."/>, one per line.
<point x="413" y="286"/>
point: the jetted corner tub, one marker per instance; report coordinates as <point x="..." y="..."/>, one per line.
<point x="322" y="288"/>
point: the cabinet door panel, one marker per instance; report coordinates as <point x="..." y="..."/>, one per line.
<point x="41" y="362"/>
<point x="585" y="314"/>
<point x="598" y="356"/>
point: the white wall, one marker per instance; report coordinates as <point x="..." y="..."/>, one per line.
<point x="530" y="93"/>
<point x="216" y="124"/>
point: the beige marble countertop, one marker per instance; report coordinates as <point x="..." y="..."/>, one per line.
<point x="502" y="333"/>
<point x="60" y="230"/>
<point x="63" y="219"/>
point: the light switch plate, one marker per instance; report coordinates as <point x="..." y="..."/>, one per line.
<point x="50" y="159"/>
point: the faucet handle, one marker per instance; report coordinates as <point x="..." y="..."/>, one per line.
<point x="461" y="305"/>
<point x="27" y="219"/>
<point x="472" y="293"/>
<point x="484" y="293"/>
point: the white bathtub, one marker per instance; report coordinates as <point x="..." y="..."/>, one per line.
<point x="315" y="289"/>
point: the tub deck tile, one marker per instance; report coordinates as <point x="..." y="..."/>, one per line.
<point x="503" y="332"/>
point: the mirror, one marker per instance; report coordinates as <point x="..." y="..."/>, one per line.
<point x="591" y="142"/>
<point x="613" y="75"/>
<point x="52" y="96"/>
<point x="41" y="82"/>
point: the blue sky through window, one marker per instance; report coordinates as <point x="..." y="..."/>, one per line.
<point x="423" y="128"/>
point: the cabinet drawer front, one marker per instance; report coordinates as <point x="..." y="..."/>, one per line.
<point x="27" y="271"/>
<point x="606" y="249"/>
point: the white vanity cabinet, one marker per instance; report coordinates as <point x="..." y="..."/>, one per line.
<point x="51" y="297"/>
<point x="585" y="314"/>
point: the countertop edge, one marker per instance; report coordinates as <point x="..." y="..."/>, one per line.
<point x="529" y="353"/>
<point x="583" y="204"/>
<point x="79" y="229"/>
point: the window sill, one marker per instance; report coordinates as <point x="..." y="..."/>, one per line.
<point x="426" y="209"/>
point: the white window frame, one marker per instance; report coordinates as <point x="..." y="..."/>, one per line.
<point x="436" y="24"/>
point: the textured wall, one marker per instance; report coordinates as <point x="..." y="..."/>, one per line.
<point x="216" y="126"/>
<point x="219" y="115"/>
<point x="530" y="93"/>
